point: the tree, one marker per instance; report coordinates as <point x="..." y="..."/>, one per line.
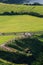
<point x="36" y="3"/>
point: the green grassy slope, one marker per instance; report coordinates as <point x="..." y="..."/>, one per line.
<point x="20" y="23"/>
<point x="20" y="8"/>
<point x="4" y="39"/>
<point x="34" y="44"/>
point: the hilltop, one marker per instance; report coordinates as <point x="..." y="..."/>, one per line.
<point x="20" y="9"/>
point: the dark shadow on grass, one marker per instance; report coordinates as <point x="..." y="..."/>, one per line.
<point x="41" y="36"/>
<point x="16" y="57"/>
<point x="21" y="13"/>
<point x="33" y="43"/>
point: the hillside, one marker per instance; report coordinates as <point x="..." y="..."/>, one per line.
<point x="29" y="51"/>
<point x="24" y="21"/>
<point x="21" y="34"/>
<point x="20" y="8"/>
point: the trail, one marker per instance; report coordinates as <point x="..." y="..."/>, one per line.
<point x="3" y="46"/>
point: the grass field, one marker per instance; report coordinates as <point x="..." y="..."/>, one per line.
<point x="4" y="39"/>
<point x="20" y="23"/>
<point x="20" y="8"/>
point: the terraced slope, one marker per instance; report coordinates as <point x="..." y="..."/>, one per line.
<point x="24" y="47"/>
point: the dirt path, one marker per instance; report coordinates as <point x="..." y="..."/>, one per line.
<point x="3" y="46"/>
<point x="8" y="48"/>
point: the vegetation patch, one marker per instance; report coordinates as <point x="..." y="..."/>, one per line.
<point x="32" y="45"/>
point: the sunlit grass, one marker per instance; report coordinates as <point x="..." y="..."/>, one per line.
<point x="4" y="39"/>
<point x="20" y="8"/>
<point x="20" y="23"/>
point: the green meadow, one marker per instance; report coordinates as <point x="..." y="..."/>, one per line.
<point x="21" y="23"/>
<point x="4" y="39"/>
<point x="20" y="8"/>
